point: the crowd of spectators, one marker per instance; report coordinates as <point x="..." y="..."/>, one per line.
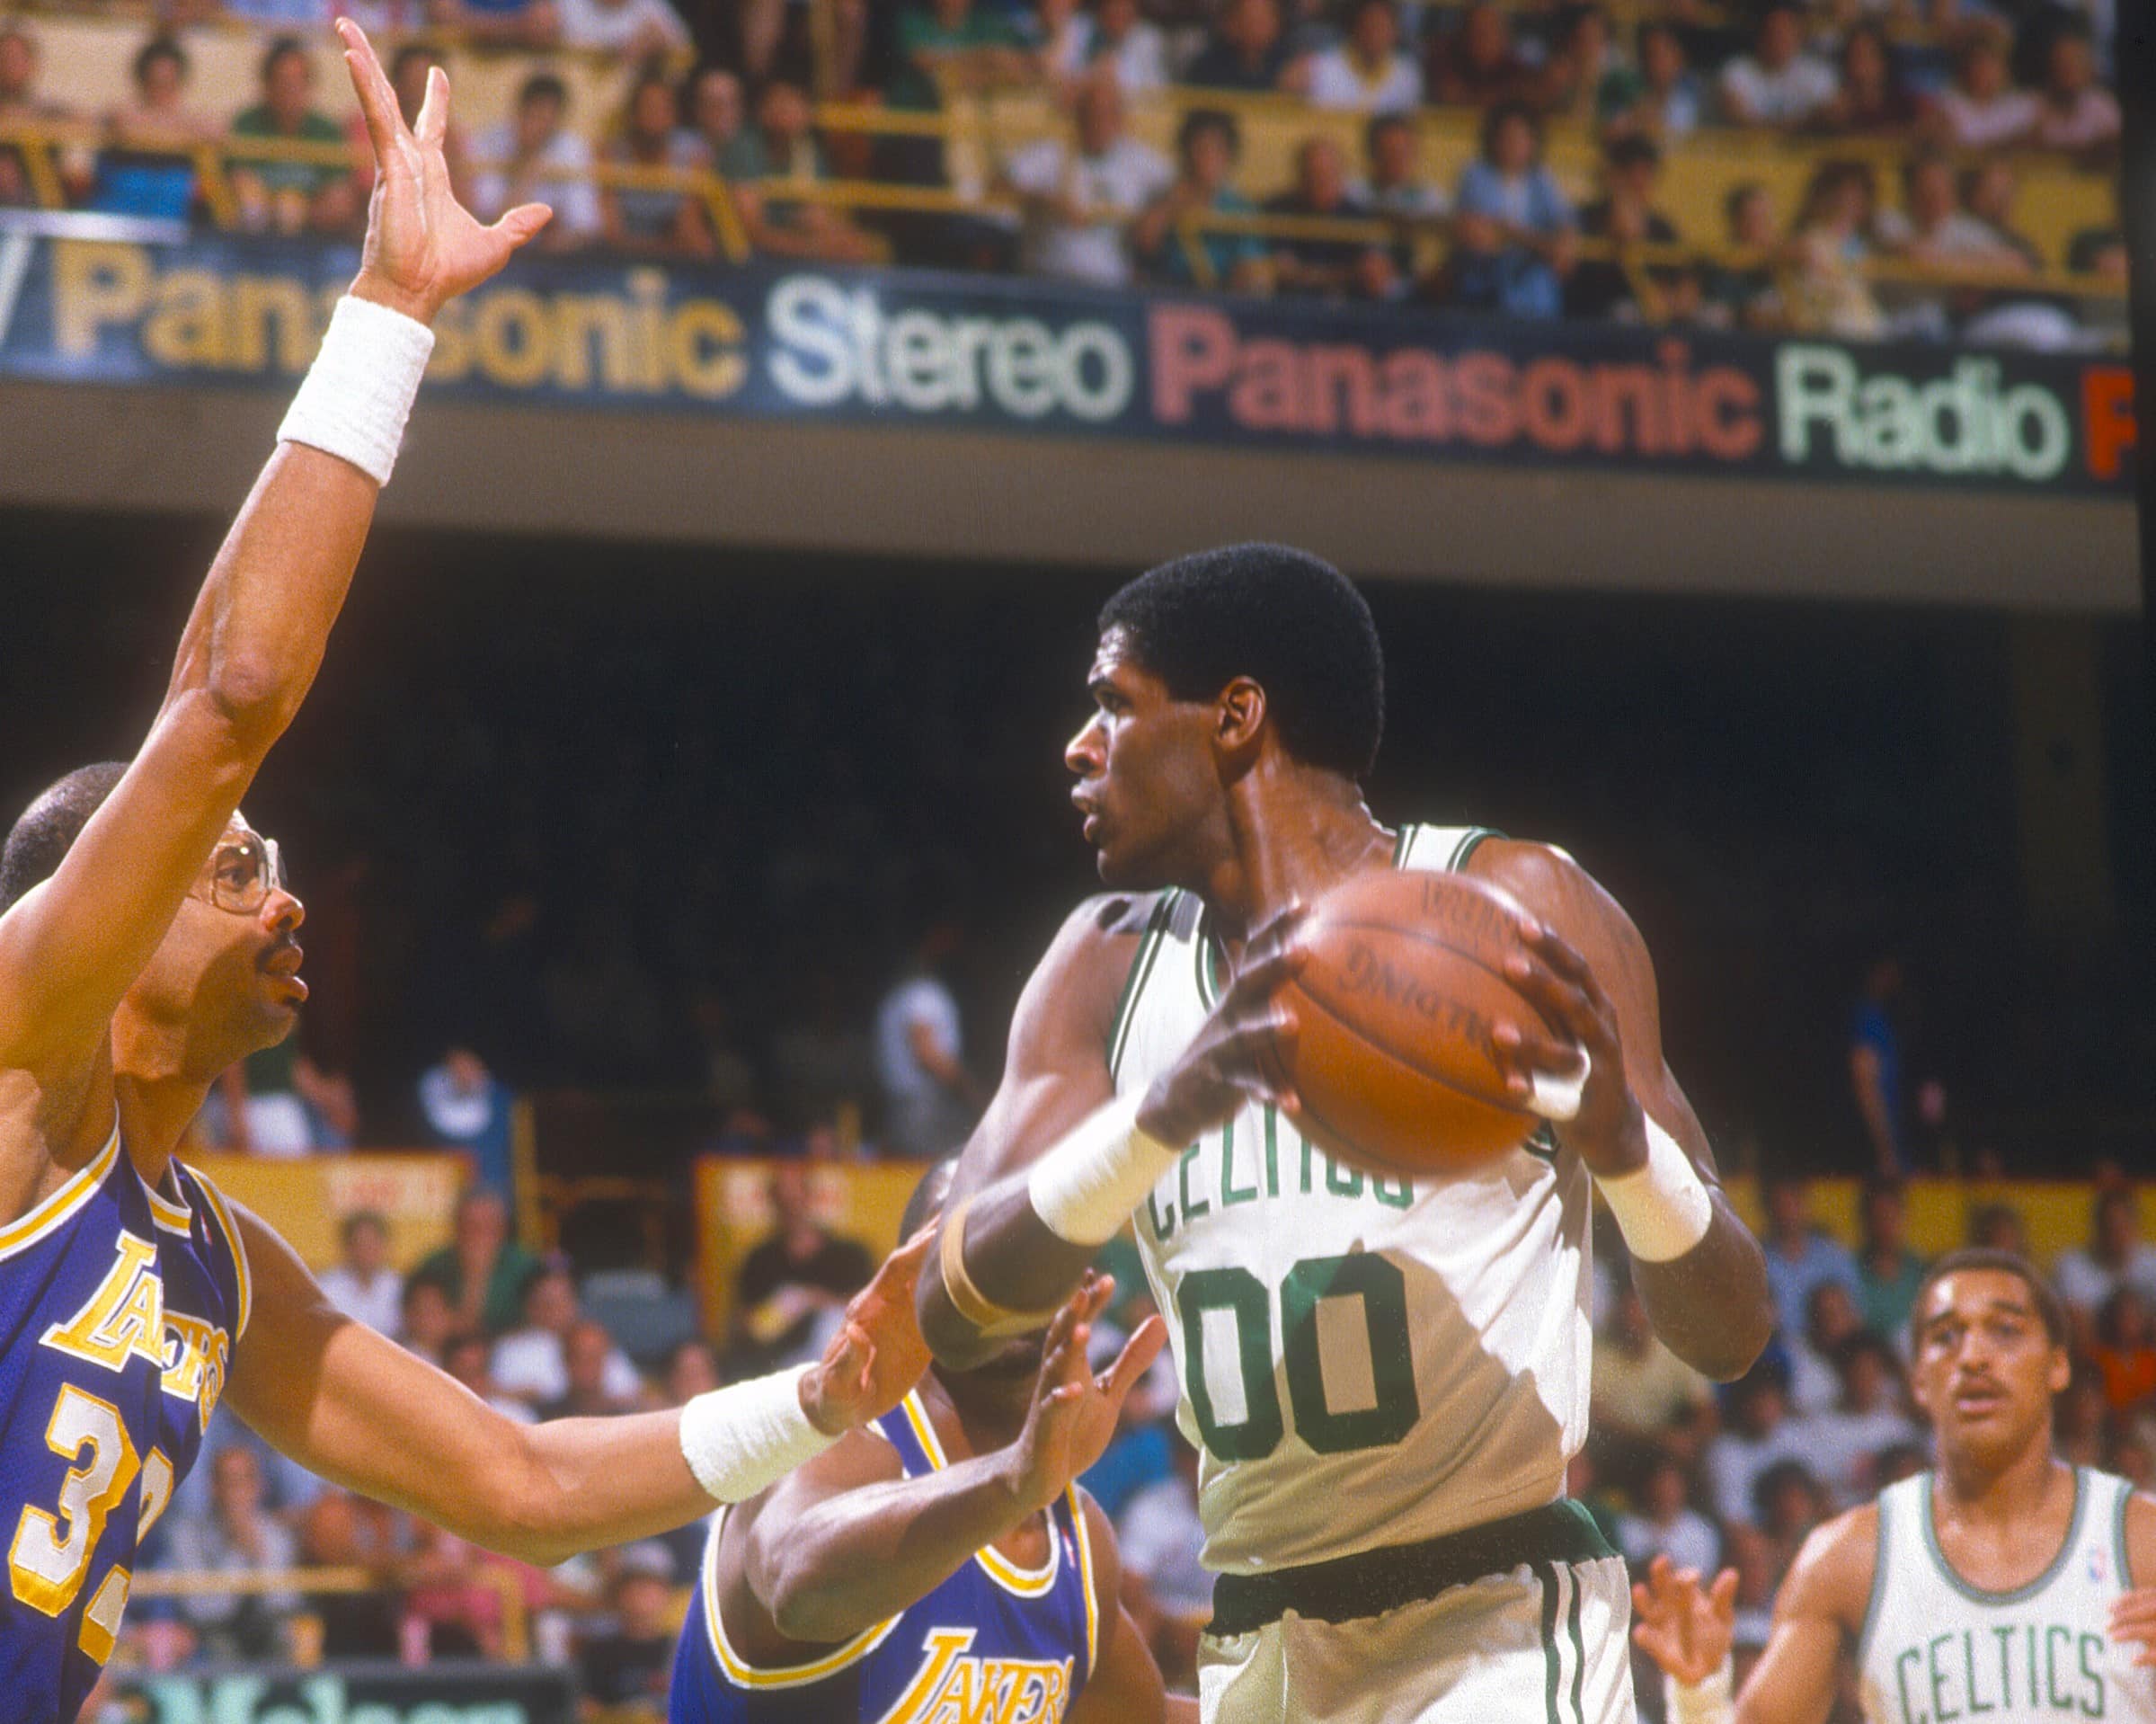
<point x="1940" y="115"/>
<point x="1736" y="1476"/>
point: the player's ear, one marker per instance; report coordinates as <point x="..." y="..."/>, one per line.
<point x="2061" y="1373"/>
<point x="1240" y="714"/>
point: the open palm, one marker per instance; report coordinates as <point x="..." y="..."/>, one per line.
<point x="423" y="248"/>
<point x="1074" y="1411"/>
<point x="1683" y="1627"/>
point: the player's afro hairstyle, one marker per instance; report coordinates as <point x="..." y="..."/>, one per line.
<point x="50" y="825"/>
<point x="2050" y="1311"/>
<point x="1289" y="621"/>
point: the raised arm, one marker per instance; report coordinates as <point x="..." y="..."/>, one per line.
<point x="1589" y="974"/>
<point x="846" y="1543"/>
<point x="71" y="948"/>
<point x="357" y="1409"/>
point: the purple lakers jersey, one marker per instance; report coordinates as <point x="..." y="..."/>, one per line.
<point x="119" y="1306"/>
<point x="992" y="1641"/>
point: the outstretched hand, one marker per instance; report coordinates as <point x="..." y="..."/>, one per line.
<point x="1074" y="1412"/>
<point x="1683" y="1629"/>
<point x="422" y="247"/>
<point x="878" y="1354"/>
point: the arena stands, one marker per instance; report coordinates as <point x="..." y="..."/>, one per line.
<point x="1923" y="172"/>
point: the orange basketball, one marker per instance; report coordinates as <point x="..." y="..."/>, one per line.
<point x="1397" y="1003"/>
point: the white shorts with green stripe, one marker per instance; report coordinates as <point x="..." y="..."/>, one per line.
<point x="1547" y="1643"/>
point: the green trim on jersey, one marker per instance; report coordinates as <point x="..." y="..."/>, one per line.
<point x="1402" y="842"/>
<point x="1553" y="1663"/>
<point x="2018" y="1595"/>
<point x="1878" y="1582"/>
<point x="1470" y="844"/>
<point x="1133" y="984"/>
<point x="1579" y="1653"/>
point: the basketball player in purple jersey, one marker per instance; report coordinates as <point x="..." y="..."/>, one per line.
<point x="148" y="942"/>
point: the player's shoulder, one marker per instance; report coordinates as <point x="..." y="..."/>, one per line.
<point x="2138" y="1516"/>
<point x="1091" y="956"/>
<point x="1835" y="1569"/>
<point x="1546" y="880"/>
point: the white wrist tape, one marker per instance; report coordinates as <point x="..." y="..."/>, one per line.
<point x="1085" y="1188"/>
<point x="1556" y="1095"/>
<point x="1712" y="1702"/>
<point x="748" y="1435"/>
<point x="1664" y="1208"/>
<point x="357" y="392"/>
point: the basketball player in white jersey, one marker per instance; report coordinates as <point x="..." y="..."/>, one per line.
<point x="1384" y="1378"/>
<point x="2001" y="1585"/>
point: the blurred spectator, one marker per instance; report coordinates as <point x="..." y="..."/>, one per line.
<point x="1843" y="1443"/>
<point x="823" y="1058"/>
<point x="692" y="1369"/>
<point x="531" y="1362"/>
<point x="1787" y="1502"/>
<point x="1160" y="1539"/>
<point x="626" y="1672"/>
<point x="2073" y="111"/>
<point x="362" y="1285"/>
<point x="290" y="197"/>
<point x="1930" y="227"/>
<point x="1988" y="194"/>
<point x="1660" y="99"/>
<point x="655" y="221"/>
<point x="796" y="1283"/>
<point x="1477" y="63"/>
<point x="930" y="1099"/>
<point x="1779" y="83"/>
<point x="1872" y="101"/>
<point x="465" y="1357"/>
<point x="1832" y="1321"/>
<point x="237" y="1536"/>
<point x="782" y="148"/>
<point x="1643" y="1395"/>
<point x="536" y="158"/>
<point x="1760" y="1435"/>
<point x="1752" y="1554"/>
<point x="716" y="109"/>
<point x="1570" y="81"/>
<point x="499" y="23"/>
<point x="408" y="71"/>
<point x="278" y="1103"/>
<point x="1983" y="110"/>
<point x="1827" y="291"/>
<point x="957" y="44"/>
<point x="1078" y="203"/>
<point x="1394" y="187"/>
<point x="1112" y="35"/>
<point x="2116" y="1256"/>
<point x="1625" y="215"/>
<point x="588" y="1376"/>
<point x="1800" y="1254"/>
<point x="1308" y="263"/>
<point x="635" y="29"/>
<point x="1207" y="144"/>
<point x="1999" y="1227"/>
<point x="144" y="169"/>
<point x="482" y="1271"/>
<point x="20" y="104"/>
<point x="2123" y="1351"/>
<point x="1246" y="51"/>
<point x="1513" y="228"/>
<point x="1741" y="292"/>
<point x="1367" y="72"/>
<point x="341" y="1531"/>
<point x="467" y="1107"/>
<point x="1666" y="1524"/>
<point x="427" y="1319"/>
<point x="1889" y="1273"/>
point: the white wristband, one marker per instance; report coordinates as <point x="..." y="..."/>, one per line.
<point x="739" y="1439"/>
<point x="1662" y="1209"/>
<point x="357" y="392"/>
<point x="1085" y="1188"/>
<point x="1712" y="1702"/>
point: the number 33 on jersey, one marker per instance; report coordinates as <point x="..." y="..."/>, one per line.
<point x="119" y="1305"/>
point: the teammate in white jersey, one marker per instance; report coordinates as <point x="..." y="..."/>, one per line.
<point x="2001" y="1584"/>
<point x="1386" y="1377"/>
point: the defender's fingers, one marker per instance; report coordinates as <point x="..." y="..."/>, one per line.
<point x="433" y="124"/>
<point x="1723" y="1593"/>
<point x="370" y="83"/>
<point x="522" y="222"/>
<point x="1135" y="1359"/>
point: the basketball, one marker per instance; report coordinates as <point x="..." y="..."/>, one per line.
<point x="1398" y="1002"/>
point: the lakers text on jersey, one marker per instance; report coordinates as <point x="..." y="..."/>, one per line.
<point x="993" y="1644"/>
<point x="1938" y="1650"/>
<point x="1363" y="1362"/>
<point x="119" y="1306"/>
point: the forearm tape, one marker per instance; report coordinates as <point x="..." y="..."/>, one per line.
<point x="1664" y="1209"/>
<point x="742" y="1439"/>
<point x="1711" y="1702"/>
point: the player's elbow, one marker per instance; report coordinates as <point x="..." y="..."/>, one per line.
<point x="251" y="697"/>
<point x="522" y="1512"/>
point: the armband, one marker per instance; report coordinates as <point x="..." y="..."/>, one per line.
<point x="992" y="1320"/>
<point x="1662" y="1209"/>
<point x="1085" y="1188"/>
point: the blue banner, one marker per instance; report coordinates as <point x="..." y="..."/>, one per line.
<point x="810" y="343"/>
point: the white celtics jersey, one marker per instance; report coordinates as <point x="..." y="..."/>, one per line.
<point x="1936" y="1649"/>
<point x="1363" y="1362"/>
